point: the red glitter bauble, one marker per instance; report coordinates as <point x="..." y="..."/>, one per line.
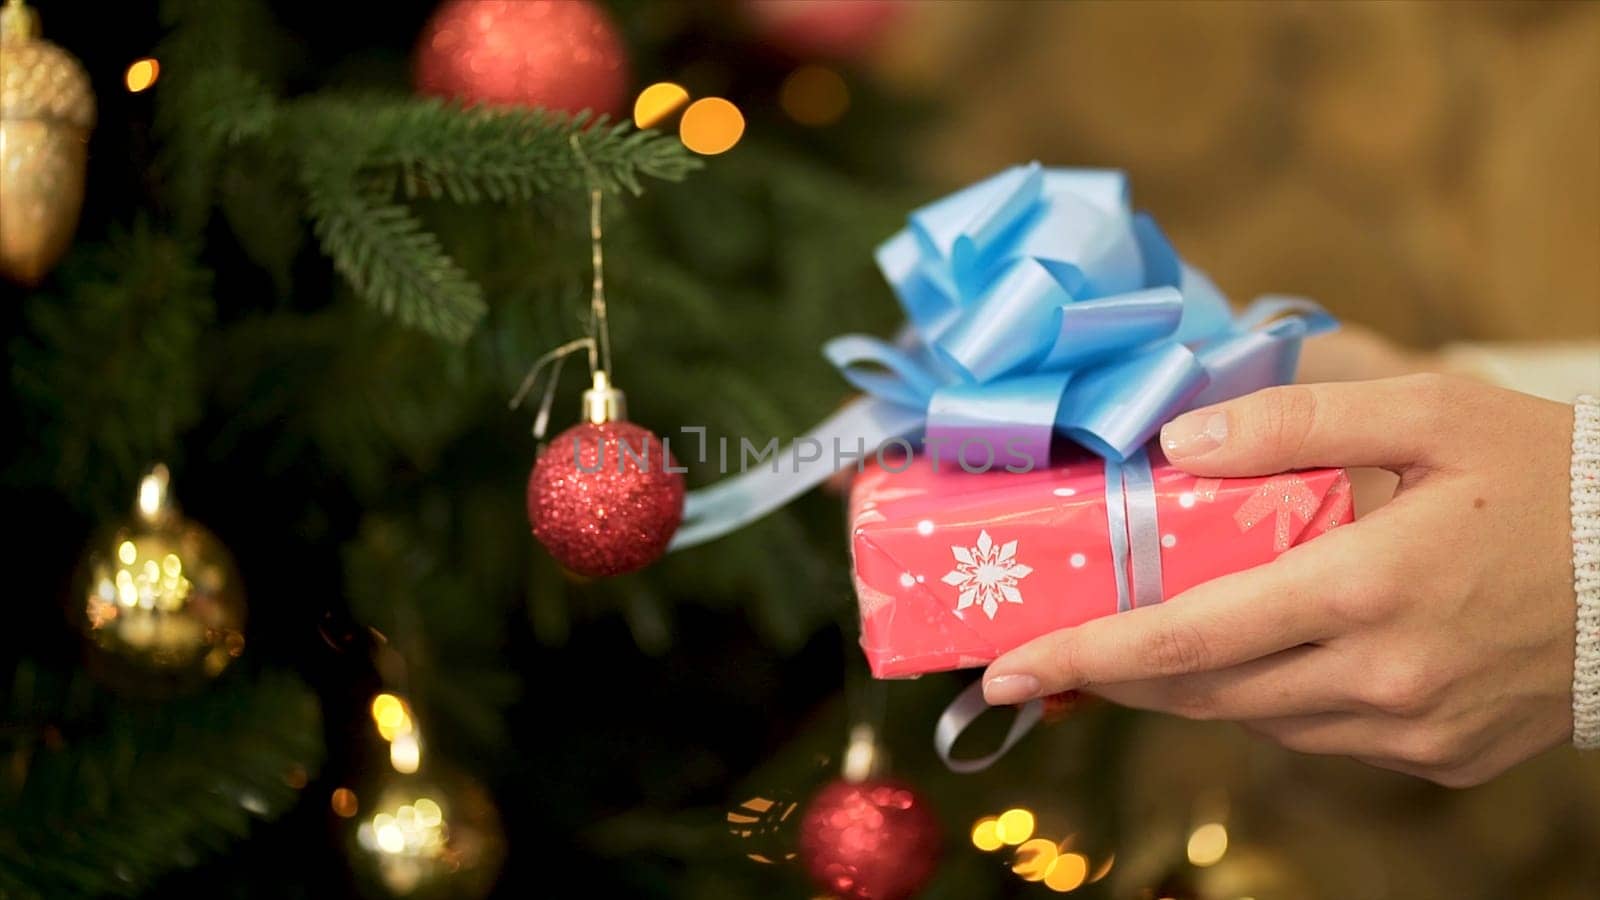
<point x="603" y="499"/>
<point x="836" y="29"/>
<point x="872" y="840"/>
<point x="554" y="54"/>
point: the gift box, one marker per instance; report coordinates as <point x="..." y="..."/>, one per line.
<point x="954" y="568"/>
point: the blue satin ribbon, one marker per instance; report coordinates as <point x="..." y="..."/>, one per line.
<point x="1038" y="305"/>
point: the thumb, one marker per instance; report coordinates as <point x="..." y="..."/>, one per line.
<point x="1392" y="424"/>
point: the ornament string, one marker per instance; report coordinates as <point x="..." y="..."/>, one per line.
<point x="597" y="342"/>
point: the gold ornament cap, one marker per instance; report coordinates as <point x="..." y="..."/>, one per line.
<point x="17" y="22"/>
<point x="603" y="403"/>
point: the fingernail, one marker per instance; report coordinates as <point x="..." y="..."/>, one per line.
<point x="1004" y="690"/>
<point x="1194" y="434"/>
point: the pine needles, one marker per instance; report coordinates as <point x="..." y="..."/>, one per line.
<point x="143" y="789"/>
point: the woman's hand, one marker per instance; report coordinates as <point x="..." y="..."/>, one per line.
<point x="1434" y="637"/>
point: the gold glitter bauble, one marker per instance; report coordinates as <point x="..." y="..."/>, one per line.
<point x="159" y="598"/>
<point x="431" y="835"/>
<point x="46" y="112"/>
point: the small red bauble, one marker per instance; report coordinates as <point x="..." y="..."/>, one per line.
<point x="872" y="840"/>
<point x="555" y="54"/>
<point x="603" y="499"/>
<point x="836" y="29"/>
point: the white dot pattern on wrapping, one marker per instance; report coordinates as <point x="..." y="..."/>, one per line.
<point x="925" y="527"/>
<point x="1065" y="492"/>
<point x="907" y="580"/>
<point x="1078" y="560"/>
<point x="1186" y="499"/>
<point x="1169" y="541"/>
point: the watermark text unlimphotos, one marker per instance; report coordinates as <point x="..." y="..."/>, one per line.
<point x="804" y="454"/>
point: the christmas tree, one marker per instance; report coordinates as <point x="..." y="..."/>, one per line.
<point x="308" y="276"/>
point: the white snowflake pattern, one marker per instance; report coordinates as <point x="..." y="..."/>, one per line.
<point x="986" y="574"/>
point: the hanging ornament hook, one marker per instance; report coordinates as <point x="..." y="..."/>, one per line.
<point x="602" y="402"/>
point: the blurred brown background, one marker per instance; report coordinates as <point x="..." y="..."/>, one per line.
<point x="1431" y="170"/>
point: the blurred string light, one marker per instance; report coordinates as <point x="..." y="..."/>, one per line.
<point x="1207" y="844"/>
<point x="395" y="724"/>
<point x="658" y="101"/>
<point x="1014" y="826"/>
<point x="1038" y="859"/>
<point x="711" y="125"/>
<point x="142" y="74"/>
<point x="814" y="95"/>
<point x="1034" y="859"/>
<point x="1067" y="872"/>
<point x="344" y="803"/>
<point x="986" y="834"/>
<point x="405" y="754"/>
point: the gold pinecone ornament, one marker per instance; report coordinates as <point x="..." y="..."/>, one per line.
<point x="46" y="113"/>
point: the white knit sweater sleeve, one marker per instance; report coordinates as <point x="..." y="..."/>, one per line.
<point x="1586" y="570"/>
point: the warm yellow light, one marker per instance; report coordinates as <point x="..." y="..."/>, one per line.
<point x="813" y="95"/>
<point x="429" y="815"/>
<point x="1067" y="872"/>
<point x="142" y="74"/>
<point x="985" y="834"/>
<point x="1014" y="826"/>
<point x="343" y="802"/>
<point x="405" y="753"/>
<point x="1208" y="844"/>
<point x="127" y="552"/>
<point x="711" y="125"/>
<point x="658" y="101"/>
<point x="1104" y="870"/>
<point x="390" y="838"/>
<point x="391" y="716"/>
<point x="153" y="491"/>
<point x="1034" y="859"/>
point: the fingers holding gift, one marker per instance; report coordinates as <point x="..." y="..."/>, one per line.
<point x="1295" y="682"/>
<point x="1389" y="424"/>
<point x="1216" y="625"/>
<point x="1424" y="748"/>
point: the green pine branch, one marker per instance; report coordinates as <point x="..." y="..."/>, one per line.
<point x="108" y="370"/>
<point x="393" y="263"/>
<point x="352" y="153"/>
<point x="104" y="804"/>
<point x="434" y="149"/>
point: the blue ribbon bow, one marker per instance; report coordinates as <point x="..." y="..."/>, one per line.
<point x="1037" y="304"/>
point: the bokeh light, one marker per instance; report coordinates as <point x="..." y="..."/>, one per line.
<point x="344" y="802"/>
<point x="711" y="125"/>
<point x="1208" y="844"/>
<point x="657" y="102"/>
<point x="1034" y="858"/>
<point x="814" y="95"/>
<point x="1067" y="872"/>
<point x="141" y="74"/>
<point x="986" y="834"/>
<point x="405" y="753"/>
<point x="392" y="716"/>
<point x="1014" y="826"/>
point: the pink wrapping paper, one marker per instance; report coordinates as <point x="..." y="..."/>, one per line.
<point x="952" y="569"/>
